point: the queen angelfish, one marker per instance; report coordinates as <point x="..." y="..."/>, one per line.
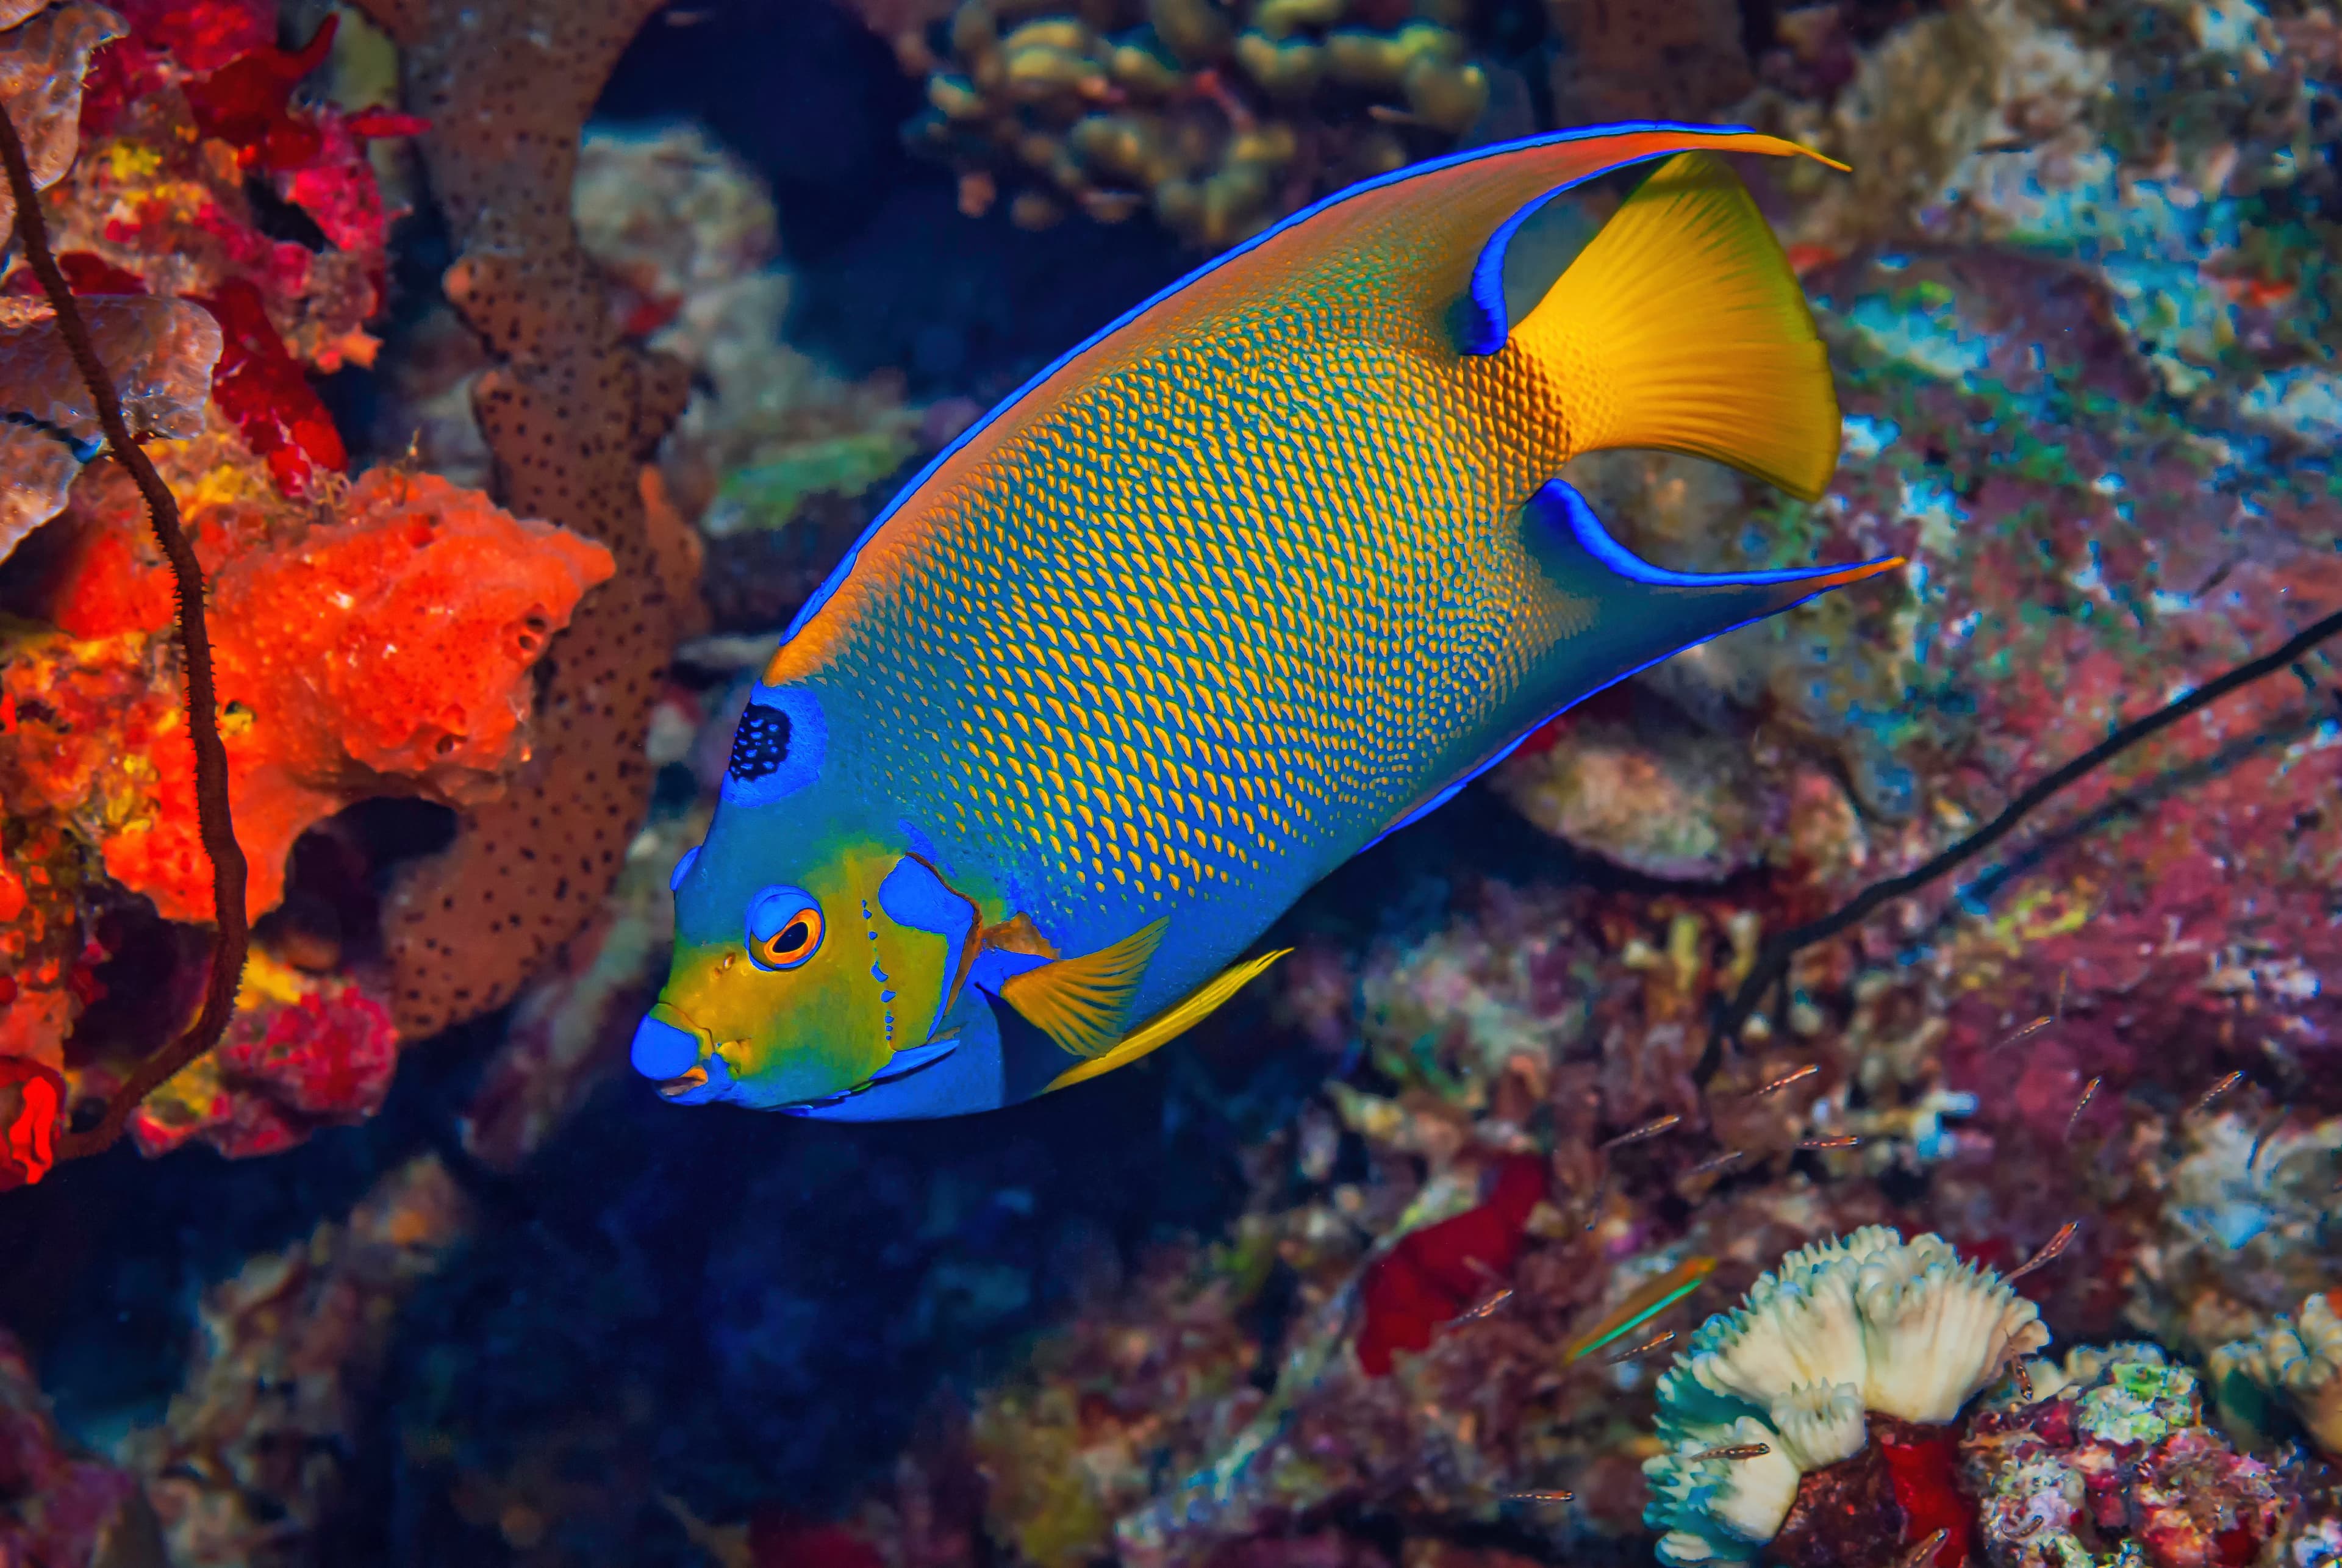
<point x="1265" y="570"/>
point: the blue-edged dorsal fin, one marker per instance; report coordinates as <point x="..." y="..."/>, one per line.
<point x="1638" y="614"/>
<point x="1084" y="1003"/>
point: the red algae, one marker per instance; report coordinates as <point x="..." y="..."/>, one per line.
<point x="264" y="392"/>
<point x="1437" y="1272"/>
<point x="86" y="273"/>
<point x="32" y="1101"/>
<point x="246" y="103"/>
<point x="1922" y="1462"/>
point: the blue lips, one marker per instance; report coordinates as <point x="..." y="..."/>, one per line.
<point x="661" y="1050"/>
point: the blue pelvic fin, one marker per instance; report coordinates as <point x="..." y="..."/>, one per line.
<point x="1641" y="614"/>
<point x="962" y="1075"/>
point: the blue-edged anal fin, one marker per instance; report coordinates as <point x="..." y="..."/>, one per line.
<point x="1625" y="614"/>
<point x="1640" y="614"/>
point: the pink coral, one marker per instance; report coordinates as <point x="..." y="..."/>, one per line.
<point x="2117" y="1459"/>
<point x="300" y="1055"/>
<point x="176" y="118"/>
<point x="261" y="387"/>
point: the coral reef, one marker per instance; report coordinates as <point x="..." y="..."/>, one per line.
<point x="2297" y="1362"/>
<point x="1645" y="63"/>
<point x="385" y="648"/>
<point x="43" y="55"/>
<point x="301" y="1054"/>
<point x="688" y="236"/>
<point x="371" y="636"/>
<point x="58" y="1504"/>
<point x="160" y="353"/>
<point x="247" y="1464"/>
<point x="1840" y="1329"/>
<point x="1220" y="124"/>
<point x="203" y="178"/>
<point x="380" y="640"/>
<point x="2247" y="1212"/>
<point x="1382" y="1268"/>
<point x="1161" y="1382"/>
<point x="2084" y="487"/>
<point x="2114" y="1464"/>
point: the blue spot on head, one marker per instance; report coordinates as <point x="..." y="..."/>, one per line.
<point x="682" y="868"/>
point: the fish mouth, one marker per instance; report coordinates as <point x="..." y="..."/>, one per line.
<point x="684" y="1083"/>
<point x="904" y="1062"/>
<point x="711" y="1079"/>
<point x="676" y="1053"/>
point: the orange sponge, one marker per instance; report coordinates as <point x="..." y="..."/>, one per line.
<point x="384" y="650"/>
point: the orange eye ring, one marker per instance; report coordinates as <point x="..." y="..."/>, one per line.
<point x="785" y="928"/>
<point x="793" y="944"/>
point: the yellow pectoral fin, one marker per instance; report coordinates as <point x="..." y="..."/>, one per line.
<point x="1172" y="1023"/>
<point x="1083" y="1003"/>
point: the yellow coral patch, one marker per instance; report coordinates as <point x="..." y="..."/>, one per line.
<point x="129" y="161"/>
<point x="267" y="981"/>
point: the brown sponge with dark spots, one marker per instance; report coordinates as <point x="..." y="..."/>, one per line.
<point x="571" y="411"/>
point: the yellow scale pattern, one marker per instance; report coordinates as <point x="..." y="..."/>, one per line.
<point x="1228" y="606"/>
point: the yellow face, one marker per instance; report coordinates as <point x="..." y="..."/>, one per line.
<point x="789" y="990"/>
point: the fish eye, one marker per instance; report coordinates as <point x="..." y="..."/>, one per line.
<point x="784" y="927"/>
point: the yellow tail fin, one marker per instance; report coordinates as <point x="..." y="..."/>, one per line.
<point x="1171" y="1023"/>
<point x="1681" y="327"/>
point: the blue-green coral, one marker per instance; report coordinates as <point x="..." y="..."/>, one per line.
<point x="2296" y="1362"/>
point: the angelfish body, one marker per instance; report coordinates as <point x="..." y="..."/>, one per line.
<point x="1267" y="568"/>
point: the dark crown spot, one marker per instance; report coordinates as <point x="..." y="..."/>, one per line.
<point x="760" y="745"/>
